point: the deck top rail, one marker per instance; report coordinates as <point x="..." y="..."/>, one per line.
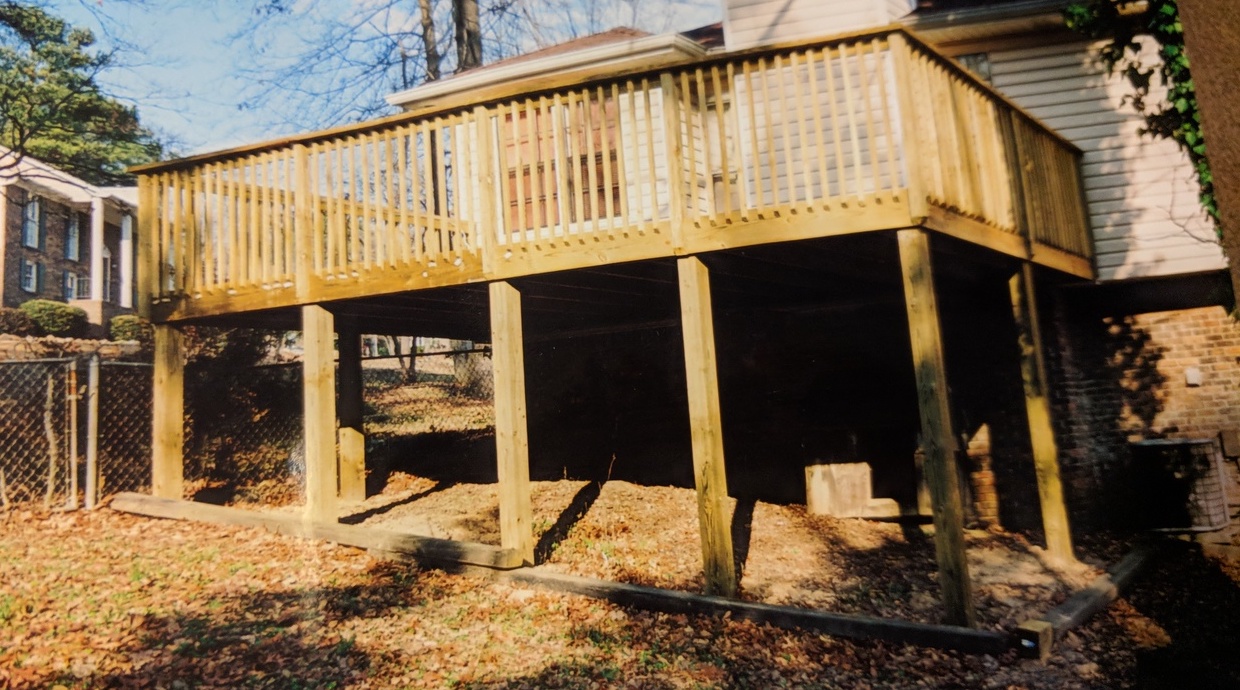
<point x="867" y="131"/>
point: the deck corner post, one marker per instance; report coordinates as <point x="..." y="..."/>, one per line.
<point x="706" y="428"/>
<point x="168" y="413"/>
<point x="902" y="61"/>
<point x="672" y="132"/>
<point x="938" y="438"/>
<point x="349" y="411"/>
<point x="303" y="226"/>
<point x="512" y="451"/>
<point x="1038" y="411"/>
<point x="319" y="418"/>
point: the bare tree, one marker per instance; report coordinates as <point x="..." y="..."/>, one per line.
<point x="329" y="62"/>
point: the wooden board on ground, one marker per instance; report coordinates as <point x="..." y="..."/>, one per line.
<point x="422" y="549"/>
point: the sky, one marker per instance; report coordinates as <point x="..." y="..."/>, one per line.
<point x="188" y="78"/>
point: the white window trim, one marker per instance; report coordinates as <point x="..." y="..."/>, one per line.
<point x="73" y="237"/>
<point x="36" y="203"/>
<point x="30" y="276"/>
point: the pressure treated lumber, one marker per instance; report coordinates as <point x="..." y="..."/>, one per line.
<point x="319" y="403"/>
<point x="349" y="411"/>
<point x="423" y="549"/>
<point x="168" y="413"/>
<point x="706" y="426"/>
<point x="1038" y="412"/>
<point x="1037" y="635"/>
<point x="512" y="448"/>
<point x="938" y="438"/>
<point x="787" y="617"/>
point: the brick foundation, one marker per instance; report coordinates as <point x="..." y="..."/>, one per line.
<point x="1123" y="378"/>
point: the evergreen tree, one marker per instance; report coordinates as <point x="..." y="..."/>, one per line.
<point x="52" y="106"/>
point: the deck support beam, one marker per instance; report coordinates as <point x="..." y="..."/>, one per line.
<point x="512" y="447"/>
<point x="938" y="437"/>
<point x="1038" y="410"/>
<point x="168" y="413"/>
<point x="319" y="420"/>
<point x="349" y="410"/>
<point x="706" y="427"/>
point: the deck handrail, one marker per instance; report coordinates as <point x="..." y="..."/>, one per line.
<point x="518" y="180"/>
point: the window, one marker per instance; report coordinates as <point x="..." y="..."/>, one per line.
<point x="73" y="238"/>
<point x="32" y="223"/>
<point x="72" y="283"/>
<point x="32" y="272"/>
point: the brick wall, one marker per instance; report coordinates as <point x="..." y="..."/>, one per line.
<point x="1122" y="378"/>
<point x="52" y="255"/>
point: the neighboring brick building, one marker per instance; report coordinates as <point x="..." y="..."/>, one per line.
<point x="65" y="240"/>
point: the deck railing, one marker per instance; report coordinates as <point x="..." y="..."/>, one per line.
<point x="620" y="167"/>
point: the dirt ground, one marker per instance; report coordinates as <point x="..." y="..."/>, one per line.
<point x="107" y="600"/>
<point x="648" y="535"/>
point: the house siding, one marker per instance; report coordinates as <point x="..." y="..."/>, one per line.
<point x="750" y="23"/>
<point x="1141" y="192"/>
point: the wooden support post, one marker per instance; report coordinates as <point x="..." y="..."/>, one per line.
<point x="168" y="413"/>
<point x="512" y="447"/>
<point x="706" y="428"/>
<point x="349" y="410"/>
<point x="319" y="419"/>
<point x="1038" y="410"/>
<point x="938" y="439"/>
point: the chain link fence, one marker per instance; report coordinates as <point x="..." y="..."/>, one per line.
<point x="38" y="451"/>
<point x="429" y="392"/>
<point x="80" y="429"/>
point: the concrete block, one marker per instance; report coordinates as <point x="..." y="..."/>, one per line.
<point x="840" y="490"/>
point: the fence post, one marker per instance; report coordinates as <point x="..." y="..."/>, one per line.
<point x="92" y="432"/>
<point x="71" y="399"/>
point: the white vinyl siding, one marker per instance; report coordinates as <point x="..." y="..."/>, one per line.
<point x="1141" y="191"/>
<point x="749" y="23"/>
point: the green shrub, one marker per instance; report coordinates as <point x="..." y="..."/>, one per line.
<point x="130" y="327"/>
<point x="17" y="322"/>
<point x="57" y="318"/>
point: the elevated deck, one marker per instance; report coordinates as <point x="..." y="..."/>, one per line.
<point x="861" y="133"/>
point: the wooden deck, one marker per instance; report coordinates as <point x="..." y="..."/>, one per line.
<point x="862" y="133"/>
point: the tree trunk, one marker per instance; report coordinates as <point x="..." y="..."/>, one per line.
<point x="429" y="42"/>
<point x="468" y="35"/>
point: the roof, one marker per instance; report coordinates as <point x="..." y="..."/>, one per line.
<point x="616" y="35"/>
<point x="47" y="179"/>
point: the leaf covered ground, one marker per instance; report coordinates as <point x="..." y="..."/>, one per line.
<point x="106" y="600"/>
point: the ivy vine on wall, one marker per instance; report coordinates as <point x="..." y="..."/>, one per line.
<point x="1122" y="23"/>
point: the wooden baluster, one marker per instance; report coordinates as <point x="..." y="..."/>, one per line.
<point x="782" y="91"/>
<point x="404" y="141"/>
<point x="636" y="203"/>
<point x="871" y="128"/>
<point x="853" y="136"/>
<point x="841" y="178"/>
<point x="824" y="187"/>
<point x="577" y="119"/>
<point x="545" y="155"/>
<point x="685" y="135"/>
<point x="803" y="145"/>
<point x="591" y="168"/>
<point x="735" y="122"/>
<point x="622" y="180"/>
<point x="503" y="220"/>
<point x="708" y="171"/>
<point x="422" y="192"/>
<point x="721" y="124"/>
<point x="441" y="169"/>
<point x="561" y="157"/>
<point x="883" y="52"/>
<point x="606" y="150"/>
<point x="768" y="122"/>
<point x="519" y="167"/>
<point x="148" y="219"/>
<point x="651" y="170"/>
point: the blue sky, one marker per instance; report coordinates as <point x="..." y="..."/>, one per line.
<point x="187" y="77"/>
